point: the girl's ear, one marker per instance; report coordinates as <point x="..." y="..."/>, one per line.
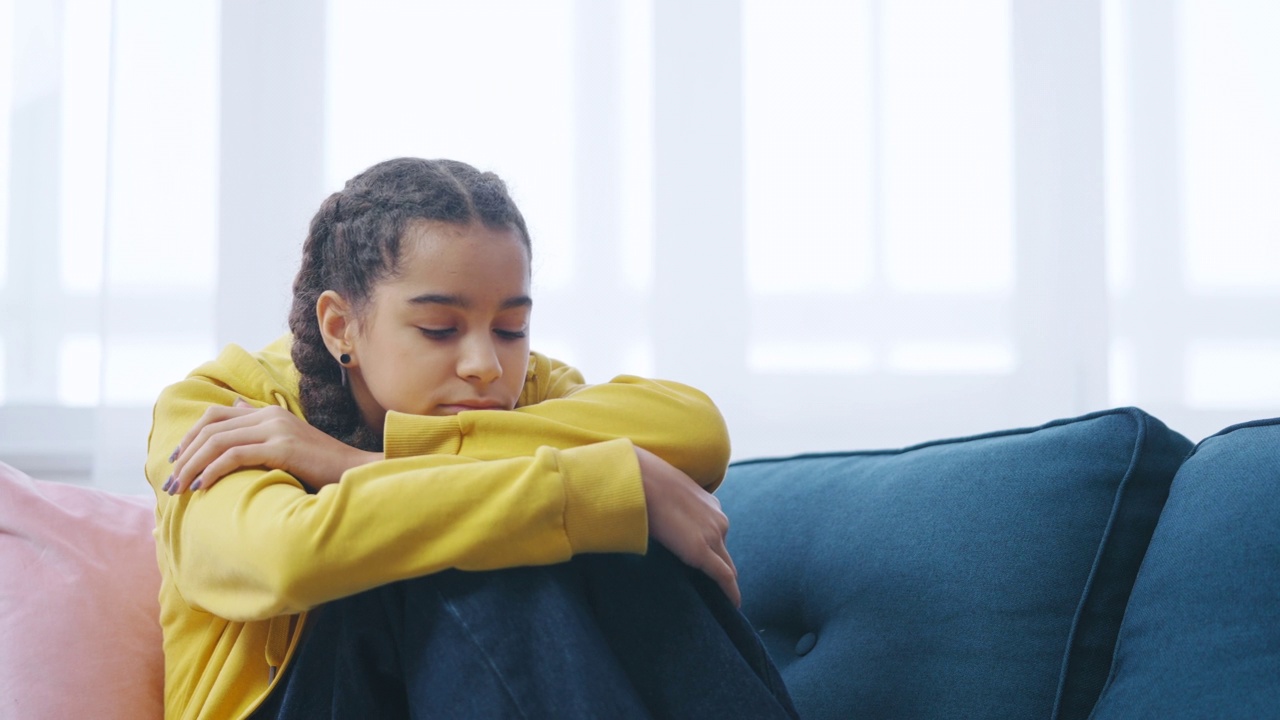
<point x="337" y="323"/>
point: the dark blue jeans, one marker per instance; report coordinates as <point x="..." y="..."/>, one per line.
<point x="601" y="636"/>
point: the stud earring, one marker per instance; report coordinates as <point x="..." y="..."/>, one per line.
<point x="344" y="360"/>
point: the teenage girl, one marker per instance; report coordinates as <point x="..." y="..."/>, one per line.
<point x="399" y="510"/>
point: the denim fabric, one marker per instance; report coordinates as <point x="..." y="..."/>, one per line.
<point x="982" y="577"/>
<point x="1201" y="638"/>
<point x="604" y="636"/>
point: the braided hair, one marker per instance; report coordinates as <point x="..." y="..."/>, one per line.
<point x="354" y="243"/>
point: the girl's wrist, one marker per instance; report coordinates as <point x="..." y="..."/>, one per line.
<point x="353" y="458"/>
<point x="360" y="457"/>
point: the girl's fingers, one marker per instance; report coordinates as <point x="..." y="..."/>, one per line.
<point x="723" y="552"/>
<point x="212" y="416"/>
<point x="216" y="441"/>
<point x="720" y="569"/>
<point x="228" y="462"/>
<point x="728" y="577"/>
<point x="720" y="546"/>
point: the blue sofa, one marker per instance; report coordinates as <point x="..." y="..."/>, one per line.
<point x="1097" y="567"/>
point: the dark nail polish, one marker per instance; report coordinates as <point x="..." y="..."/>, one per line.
<point x="195" y="485"/>
<point x="167" y="484"/>
<point x="174" y="456"/>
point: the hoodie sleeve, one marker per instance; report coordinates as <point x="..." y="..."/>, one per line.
<point x="257" y="545"/>
<point x="676" y="422"/>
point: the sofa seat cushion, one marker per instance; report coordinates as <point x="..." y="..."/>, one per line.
<point x="981" y="577"/>
<point x="1201" y="638"/>
<point x="79" y="610"/>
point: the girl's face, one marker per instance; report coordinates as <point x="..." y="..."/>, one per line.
<point x="451" y="331"/>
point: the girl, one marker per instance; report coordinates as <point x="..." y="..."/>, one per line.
<point x="324" y="506"/>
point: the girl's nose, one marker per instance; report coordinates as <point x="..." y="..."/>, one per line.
<point x="479" y="361"/>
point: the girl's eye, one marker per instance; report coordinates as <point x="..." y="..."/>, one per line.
<point x="438" y="333"/>
<point x="510" y="334"/>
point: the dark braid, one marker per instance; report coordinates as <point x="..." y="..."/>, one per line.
<point x="354" y="243"/>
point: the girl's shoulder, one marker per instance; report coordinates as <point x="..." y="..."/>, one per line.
<point x="267" y="375"/>
<point x="547" y="379"/>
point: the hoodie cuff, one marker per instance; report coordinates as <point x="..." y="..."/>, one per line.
<point x="604" y="498"/>
<point x="405" y="435"/>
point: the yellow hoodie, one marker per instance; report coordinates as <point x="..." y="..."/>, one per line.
<point x="242" y="562"/>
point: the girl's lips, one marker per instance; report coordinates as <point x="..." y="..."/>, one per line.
<point x="462" y="407"/>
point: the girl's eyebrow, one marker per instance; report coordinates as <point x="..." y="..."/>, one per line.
<point x="433" y="299"/>
<point x="463" y="303"/>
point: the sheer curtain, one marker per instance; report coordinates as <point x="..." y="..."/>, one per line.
<point x="854" y="223"/>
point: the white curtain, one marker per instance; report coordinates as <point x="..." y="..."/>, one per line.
<point x="854" y="223"/>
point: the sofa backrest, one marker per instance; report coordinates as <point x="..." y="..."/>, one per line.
<point x="1201" y="637"/>
<point x="981" y="577"/>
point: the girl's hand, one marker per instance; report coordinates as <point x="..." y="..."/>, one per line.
<point x="688" y="521"/>
<point x="229" y="438"/>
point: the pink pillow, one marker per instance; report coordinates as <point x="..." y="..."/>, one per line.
<point x="79" y="628"/>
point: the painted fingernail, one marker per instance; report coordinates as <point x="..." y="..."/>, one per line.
<point x="176" y="451"/>
<point x="167" y="483"/>
<point x="196" y="485"/>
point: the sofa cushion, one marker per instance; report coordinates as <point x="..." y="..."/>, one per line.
<point x="981" y="577"/>
<point x="79" y="629"/>
<point x="1201" y="638"/>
